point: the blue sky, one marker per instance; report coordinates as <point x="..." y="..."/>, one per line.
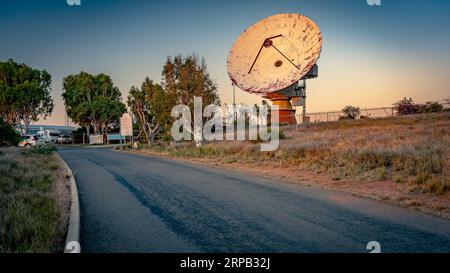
<point x="372" y="56"/>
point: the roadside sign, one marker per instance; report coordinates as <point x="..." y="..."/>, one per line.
<point x="126" y="125"/>
<point x="115" y="137"/>
<point x="95" y="139"/>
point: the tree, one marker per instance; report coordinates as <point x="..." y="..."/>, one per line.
<point x="150" y="107"/>
<point x="92" y="101"/>
<point x="184" y="78"/>
<point x="24" y="93"/>
<point x="351" y="112"/>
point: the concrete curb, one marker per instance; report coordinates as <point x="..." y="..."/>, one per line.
<point x="73" y="231"/>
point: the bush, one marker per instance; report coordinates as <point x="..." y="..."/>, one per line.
<point x="351" y="112"/>
<point x="8" y="135"/>
<point x="432" y="107"/>
<point x="407" y="107"/>
<point x="43" y="149"/>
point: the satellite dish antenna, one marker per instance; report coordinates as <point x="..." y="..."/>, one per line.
<point x="272" y="56"/>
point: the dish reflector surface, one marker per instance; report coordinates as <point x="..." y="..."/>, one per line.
<point x="274" y="53"/>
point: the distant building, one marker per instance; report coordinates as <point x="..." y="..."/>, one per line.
<point x="39" y="129"/>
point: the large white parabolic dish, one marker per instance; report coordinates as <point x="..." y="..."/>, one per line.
<point x="274" y="53"/>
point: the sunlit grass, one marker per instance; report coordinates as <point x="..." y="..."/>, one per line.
<point x="413" y="149"/>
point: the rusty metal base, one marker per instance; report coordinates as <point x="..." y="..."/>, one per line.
<point x="286" y="112"/>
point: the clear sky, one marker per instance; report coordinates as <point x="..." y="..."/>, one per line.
<point x="372" y="55"/>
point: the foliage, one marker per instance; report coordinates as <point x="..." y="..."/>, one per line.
<point x="8" y="135"/>
<point x="408" y="107"/>
<point x="351" y="112"/>
<point x="432" y="107"/>
<point x="184" y="78"/>
<point x="24" y="93"/>
<point x="92" y="101"/>
<point x="150" y="107"/>
<point x="43" y="149"/>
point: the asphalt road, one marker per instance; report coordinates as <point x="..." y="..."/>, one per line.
<point x="133" y="203"/>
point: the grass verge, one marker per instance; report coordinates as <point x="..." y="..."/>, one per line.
<point x="34" y="201"/>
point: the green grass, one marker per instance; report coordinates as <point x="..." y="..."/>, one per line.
<point x="30" y="218"/>
<point x="411" y="149"/>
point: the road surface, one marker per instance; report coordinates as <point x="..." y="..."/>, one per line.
<point x="134" y="203"/>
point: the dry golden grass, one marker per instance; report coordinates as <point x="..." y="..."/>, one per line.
<point x="410" y="150"/>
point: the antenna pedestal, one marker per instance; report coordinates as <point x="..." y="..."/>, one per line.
<point x="285" y="110"/>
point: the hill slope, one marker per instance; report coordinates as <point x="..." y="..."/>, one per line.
<point x="404" y="159"/>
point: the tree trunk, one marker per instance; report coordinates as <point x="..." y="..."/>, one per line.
<point x="26" y="124"/>
<point x="95" y="128"/>
<point x="144" y="126"/>
<point x="153" y="132"/>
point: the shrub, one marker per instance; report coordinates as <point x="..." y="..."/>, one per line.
<point x="43" y="149"/>
<point x="432" y="107"/>
<point x="351" y="112"/>
<point x="8" y="135"/>
<point x="407" y="107"/>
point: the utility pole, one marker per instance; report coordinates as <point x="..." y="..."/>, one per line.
<point x="234" y="102"/>
<point x="304" y="102"/>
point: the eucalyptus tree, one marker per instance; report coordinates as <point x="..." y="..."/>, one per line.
<point x="24" y="93"/>
<point x="92" y="101"/>
<point x="150" y="106"/>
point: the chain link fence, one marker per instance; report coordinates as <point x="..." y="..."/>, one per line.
<point x="380" y="112"/>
